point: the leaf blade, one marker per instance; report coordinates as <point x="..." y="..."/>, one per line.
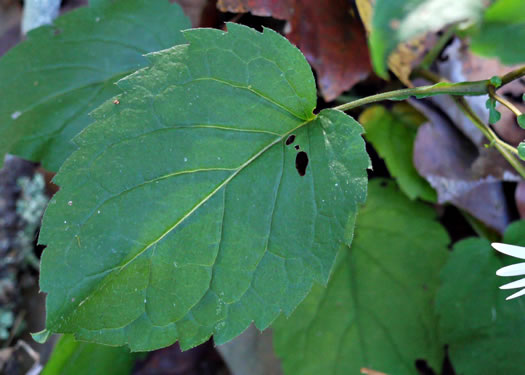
<point x="502" y="19"/>
<point x="393" y="134"/>
<point x="376" y="311"/>
<point x="226" y="216"/>
<point x="62" y="72"/>
<point x="72" y="357"/>
<point x="474" y="316"/>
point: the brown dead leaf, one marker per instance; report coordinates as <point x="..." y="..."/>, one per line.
<point x="407" y="55"/>
<point x="454" y="166"/>
<point x="458" y="65"/>
<point x="328" y="34"/>
<point x="200" y="12"/>
<point x="452" y="152"/>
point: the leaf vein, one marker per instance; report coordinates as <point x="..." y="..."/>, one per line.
<point x="252" y="90"/>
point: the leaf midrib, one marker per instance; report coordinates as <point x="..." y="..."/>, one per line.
<point x="213" y="192"/>
<point x="195" y="208"/>
<point x="256" y="92"/>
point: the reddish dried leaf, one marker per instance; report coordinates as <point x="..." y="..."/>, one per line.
<point x="331" y="38"/>
<point x="202" y="13"/>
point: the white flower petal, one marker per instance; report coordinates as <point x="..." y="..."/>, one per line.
<point x="513" y="270"/>
<point x="515" y="284"/>
<point x="515" y="295"/>
<point x="513" y="251"/>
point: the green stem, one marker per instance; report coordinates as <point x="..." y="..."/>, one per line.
<point x="467" y="88"/>
<point x="432" y="55"/>
<point x="457" y="90"/>
<point x="487" y="132"/>
<point x="441" y="87"/>
<point x="503" y="101"/>
<point x="504" y="148"/>
<point x="511" y="76"/>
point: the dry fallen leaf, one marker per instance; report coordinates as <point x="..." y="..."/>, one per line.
<point x="328" y="34"/>
<point x="476" y="176"/>
<point x="406" y="56"/>
<point x="459" y="65"/>
<point x="451" y="164"/>
<point x="195" y="10"/>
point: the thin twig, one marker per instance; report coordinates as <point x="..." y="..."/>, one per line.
<point x="457" y="91"/>
<point x="512" y="76"/>
<point x="505" y="102"/>
<point x="442" y="87"/>
<point x="467" y="88"/>
<point x="436" y="50"/>
<point x="509" y="152"/>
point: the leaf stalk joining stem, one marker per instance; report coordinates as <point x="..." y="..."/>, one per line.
<point x="457" y="91"/>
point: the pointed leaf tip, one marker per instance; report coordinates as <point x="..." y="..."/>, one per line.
<point x="42" y="336"/>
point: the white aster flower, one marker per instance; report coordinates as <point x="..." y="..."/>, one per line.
<point x="512" y="270"/>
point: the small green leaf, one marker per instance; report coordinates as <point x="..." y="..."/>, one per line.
<point x="377" y="310"/>
<point x="42" y="336"/>
<point x="190" y="208"/>
<point x="397" y="21"/>
<point x="494" y="114"/>
<point x="521" y="121"/>
<point x="521" y="150"/>
<point x="501" y="32"/>
<point x="392" y="133"/>
<point x="484" y="333"/>
<point x="80" y="358"/>
<point x="496" y="81"/>
<point x="51" y="81"/>
<point x="94" y="3"/>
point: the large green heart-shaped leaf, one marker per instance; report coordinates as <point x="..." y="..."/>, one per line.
<point x="50" y="82"/>
<point x="485" y="334"/>
<point x="190" y="208"/>
<point x="377" y="310"/>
